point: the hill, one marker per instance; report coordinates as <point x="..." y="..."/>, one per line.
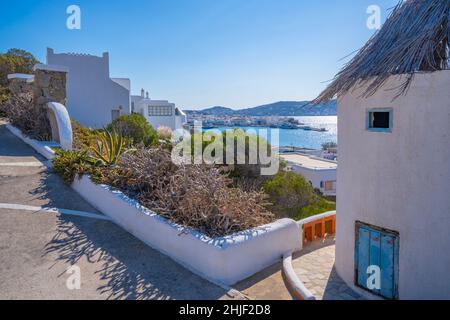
<point x="281" y="108"/>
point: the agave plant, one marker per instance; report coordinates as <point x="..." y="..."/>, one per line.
<point x="110" y="146"/>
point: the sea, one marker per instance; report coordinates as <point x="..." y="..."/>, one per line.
<point x="299" y="137"/>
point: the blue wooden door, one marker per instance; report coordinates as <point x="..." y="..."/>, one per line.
<point x="377" y="249"/>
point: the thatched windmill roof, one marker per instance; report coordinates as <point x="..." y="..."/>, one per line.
<point x="415" y="38"/>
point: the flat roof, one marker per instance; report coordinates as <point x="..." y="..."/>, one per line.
<point x="309" y="162"/>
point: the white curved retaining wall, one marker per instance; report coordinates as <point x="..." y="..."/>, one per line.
<point x="61" y="124"/>
<point x="399" y="181"/>
<point x="225" y="260"/>
<point x="297" y="286"/>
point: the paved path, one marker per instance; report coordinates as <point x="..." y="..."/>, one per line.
<point x="37" y="248"/>
<point x="269" y="284"/>
<point x="315" y="268"/>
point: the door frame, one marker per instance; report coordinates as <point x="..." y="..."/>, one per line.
<point x="396" y="235"/>
<point x="114" y="110"/>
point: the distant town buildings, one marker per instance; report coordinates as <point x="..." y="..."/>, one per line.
<point x="321" y="173"/>
<point x="280" y="122"/>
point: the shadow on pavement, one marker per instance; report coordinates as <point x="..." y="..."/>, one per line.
<point x="126" y="267"/>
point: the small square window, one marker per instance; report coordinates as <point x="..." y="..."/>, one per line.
<point x="379" y="120"/>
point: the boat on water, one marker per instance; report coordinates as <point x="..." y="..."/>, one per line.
<point x="308" y="128"/>
<point x="288" y="126"/>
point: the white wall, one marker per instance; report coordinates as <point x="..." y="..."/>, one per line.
<point x="399" y="181"/>
<point x="91" y="94"/>
<point x="141" y="106"/>
<point x="315" y="176"/>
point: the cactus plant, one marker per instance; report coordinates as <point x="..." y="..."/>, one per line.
<point x="109" y="147"/>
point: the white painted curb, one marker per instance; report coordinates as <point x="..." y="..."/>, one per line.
<point x="297" y="286"/>
<point x="35" y="164"/>
<point x="42" y="147"/>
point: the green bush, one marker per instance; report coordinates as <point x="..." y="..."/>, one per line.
<point x="319" y="206"/>
<point x="13" y="61"/>
<point x="135" y="127"/>
<point x="242" y="166"/>
<point x="288" y="193"/>
<point x="68" y="164"/>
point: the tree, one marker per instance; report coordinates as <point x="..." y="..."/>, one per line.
<point x="288" y="193"/>
<point x="135" y="127"/>
<point x="13" y="61"/>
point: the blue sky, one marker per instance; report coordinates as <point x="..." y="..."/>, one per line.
<point x="200" y="53"/>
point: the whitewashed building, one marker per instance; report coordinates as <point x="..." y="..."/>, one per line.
<point x="93" y="97"/>
<point x="393" y="202"/>
<point x="321" y="173"/>
<point x="159" y="113"/>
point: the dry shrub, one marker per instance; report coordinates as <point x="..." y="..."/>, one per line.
<point x="164" y="133"/>
<point x="83" y="138"/>
<point x="194" y="196"/>
<point x="141" y="171"/>
<point x="31" y="119"/>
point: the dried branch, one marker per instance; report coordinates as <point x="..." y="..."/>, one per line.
<point x="30" y="118"/>
<point x="196" y="196"/>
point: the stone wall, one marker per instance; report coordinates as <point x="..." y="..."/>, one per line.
<point x="49" y="86"/>
<point x="28" y="109"/>
<point x="45" y="86"/>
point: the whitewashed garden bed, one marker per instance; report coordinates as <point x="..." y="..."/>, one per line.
<point x="226" y="259"/>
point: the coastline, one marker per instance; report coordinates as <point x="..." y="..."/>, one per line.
<point x="297" y="137"/>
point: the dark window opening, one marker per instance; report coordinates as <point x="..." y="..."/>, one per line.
<point x="381" y="120"/>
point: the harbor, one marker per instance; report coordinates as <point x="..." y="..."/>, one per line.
<point x="288" y="123"/>
<point x="295" y="137"/>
